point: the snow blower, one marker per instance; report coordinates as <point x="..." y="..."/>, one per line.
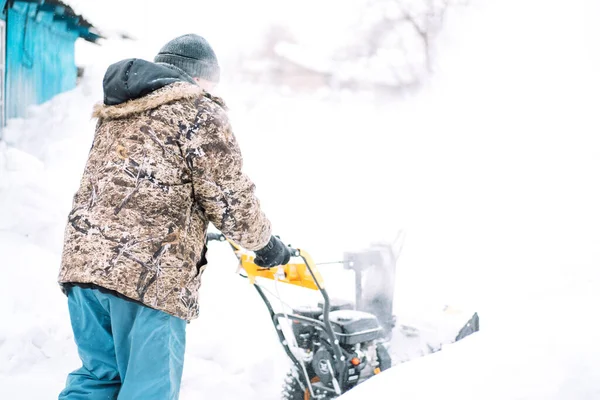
<point x="336" y="345"/>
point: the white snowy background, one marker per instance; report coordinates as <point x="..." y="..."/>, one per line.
<point x="491" y="170"/>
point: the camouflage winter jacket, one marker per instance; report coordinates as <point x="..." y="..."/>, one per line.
<point x="164" y="163"/>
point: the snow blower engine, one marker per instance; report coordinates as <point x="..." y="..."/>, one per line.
<point x="335" y="345"/>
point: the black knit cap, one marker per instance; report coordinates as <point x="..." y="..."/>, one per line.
<point x="193" y="55"/>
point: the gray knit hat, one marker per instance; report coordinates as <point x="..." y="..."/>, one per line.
<point x="193" y="55"/>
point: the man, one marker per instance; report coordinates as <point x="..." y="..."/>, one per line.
<point x="164" y="163"/>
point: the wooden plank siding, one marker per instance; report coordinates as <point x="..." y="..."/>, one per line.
<point x="40" y="57"/>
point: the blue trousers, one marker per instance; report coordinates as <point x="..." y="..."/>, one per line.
<point x="128" y="351"/>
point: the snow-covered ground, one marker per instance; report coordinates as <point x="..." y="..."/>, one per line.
<point x="492" y="172"/>
<point x="552" y="355"/>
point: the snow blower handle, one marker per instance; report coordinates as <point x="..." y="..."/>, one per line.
<point x="302" y="273"/>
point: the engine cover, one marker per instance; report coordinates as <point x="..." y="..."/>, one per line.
<point x="351" y="326"/>
<point x="320" y="363"/>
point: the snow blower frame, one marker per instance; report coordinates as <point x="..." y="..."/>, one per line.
<point x="341" y="347"/>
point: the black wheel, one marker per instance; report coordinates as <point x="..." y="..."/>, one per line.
<point x="292" y="389"/>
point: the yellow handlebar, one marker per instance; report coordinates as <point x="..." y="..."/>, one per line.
<point x="292" y="273"/>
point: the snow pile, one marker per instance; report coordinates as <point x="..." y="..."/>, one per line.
<point x="548" y="351"/>
<point x="39" y="158"/>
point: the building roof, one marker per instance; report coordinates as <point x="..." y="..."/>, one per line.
<point x="65" y="13"/>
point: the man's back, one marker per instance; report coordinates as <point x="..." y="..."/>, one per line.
<point x="157" y="173"/>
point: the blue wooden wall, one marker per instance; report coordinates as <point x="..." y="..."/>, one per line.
<point x="40" y="57"/>
<point x="2" y="4"/>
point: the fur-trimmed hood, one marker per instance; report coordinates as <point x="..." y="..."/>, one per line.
<point x="133" y="86"/>
<point x="167" y="94"/>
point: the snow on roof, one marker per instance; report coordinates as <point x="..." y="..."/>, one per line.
<point x="64" y="12"/>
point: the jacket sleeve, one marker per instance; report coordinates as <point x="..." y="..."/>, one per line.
<point x="225" y="194"/>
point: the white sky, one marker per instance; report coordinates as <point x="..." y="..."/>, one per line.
<point x="227" y="23"/>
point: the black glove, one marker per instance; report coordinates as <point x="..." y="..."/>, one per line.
<point x="273" y="254"/>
